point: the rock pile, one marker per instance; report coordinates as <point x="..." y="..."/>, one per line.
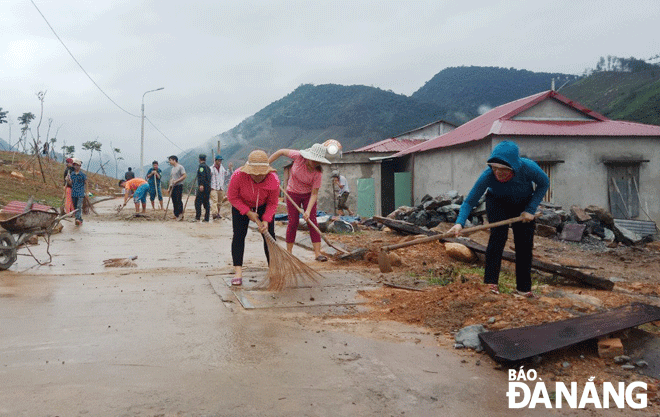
<point x="588" y="225"/>
<point x="578" y="225"/>
<point x="435" y="210"/>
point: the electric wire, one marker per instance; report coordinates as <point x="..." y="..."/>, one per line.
<point x="94" y="82"/>
<point x="76" y="61"/>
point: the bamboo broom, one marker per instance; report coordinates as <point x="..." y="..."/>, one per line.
<point x="284" y="269"/>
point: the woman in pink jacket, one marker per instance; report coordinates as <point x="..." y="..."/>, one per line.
<point x="303" y="188"/>
<point x="253" y="193"/>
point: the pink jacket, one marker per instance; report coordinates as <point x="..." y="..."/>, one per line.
<point x="244" y="194"/>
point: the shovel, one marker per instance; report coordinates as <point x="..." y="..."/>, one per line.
<point x="384" y="260"/>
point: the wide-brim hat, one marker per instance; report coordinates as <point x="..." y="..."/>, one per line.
<point x="315" y="153"/>
<point x="76" y="161"/>
<point x="257" y="164"/>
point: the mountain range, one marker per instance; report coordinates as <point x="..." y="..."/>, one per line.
<point x="358" y="115"/>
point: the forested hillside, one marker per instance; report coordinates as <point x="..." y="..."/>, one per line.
<point x="470" y="91"/>
<point x="627" y="90"/>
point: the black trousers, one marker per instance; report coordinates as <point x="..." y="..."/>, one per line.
<point x="177" y="204"/>
<point x="202" y="199"/>
<point x="240" y="223"/>
<point x="523" y="237"/>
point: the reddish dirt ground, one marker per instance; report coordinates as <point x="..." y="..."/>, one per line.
<point x="453" y="295"/>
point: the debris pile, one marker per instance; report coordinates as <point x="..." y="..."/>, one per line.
<point x="441" y="209"/>
<point x="592" y="224"/>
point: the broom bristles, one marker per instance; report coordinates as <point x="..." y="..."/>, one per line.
<point x="285" y="270"/>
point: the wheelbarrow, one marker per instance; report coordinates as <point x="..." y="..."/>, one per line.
<point x="24" y="226"/>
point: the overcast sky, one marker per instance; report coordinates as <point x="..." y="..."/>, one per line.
<point x="222" y="61"/>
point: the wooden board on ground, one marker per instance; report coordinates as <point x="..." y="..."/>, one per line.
<point x="560" y="270"/>
<point x="526" y="342"/>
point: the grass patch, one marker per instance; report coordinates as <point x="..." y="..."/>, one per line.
<point x="448" y="274"/>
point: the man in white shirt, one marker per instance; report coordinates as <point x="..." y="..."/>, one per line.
<point x="218" y="175"/>
<point x="342" y="198"/>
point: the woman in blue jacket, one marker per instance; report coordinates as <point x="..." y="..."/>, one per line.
<point x="514" y="186"/>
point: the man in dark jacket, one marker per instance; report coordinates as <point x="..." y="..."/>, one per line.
<point x="203" y="189"/>
<point x="129" y="175"/>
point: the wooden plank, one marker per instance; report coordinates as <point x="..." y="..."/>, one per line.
<point x="404" y="227"/>
<point x="562" y="270"/>
<point x="526" y="342"/>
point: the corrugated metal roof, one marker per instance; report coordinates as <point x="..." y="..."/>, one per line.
<point x="498" y="122"/>
<point x="389" y="145"/>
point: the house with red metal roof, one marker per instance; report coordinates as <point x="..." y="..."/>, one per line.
<point x="589" y="158"/>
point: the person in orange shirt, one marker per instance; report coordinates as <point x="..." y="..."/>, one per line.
<point x="139" y="188"/>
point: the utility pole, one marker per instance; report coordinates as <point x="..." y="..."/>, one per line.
<point x="142" y="135"/>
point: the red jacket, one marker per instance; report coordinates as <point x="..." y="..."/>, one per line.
<point x="244" y="194"/>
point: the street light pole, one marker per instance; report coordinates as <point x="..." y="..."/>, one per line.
<point x="142" y="136"/>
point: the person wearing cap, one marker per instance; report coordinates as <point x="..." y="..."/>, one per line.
<point x="68" y="203"/>
<point x="139" y="188"/>
<point x="77" y="180"/>
<point x="303" y="188"/>
<point x="344" y="191"/>
<point x="153" y="178"/>
<point x="218" y="175"/>
<point x="177" y="176"/>
<point x="514" y="186"/>
<point x="253" y="193"/>
<point x="203" y="189"/>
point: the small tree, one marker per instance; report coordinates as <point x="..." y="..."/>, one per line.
<point x="25" y="121"/>
<point x="68" y="151"/>
<point x="3" y="116"/>
<point x="91" y="146"/>
<point x="115" y="154"/>
<point x="52" y="147"/>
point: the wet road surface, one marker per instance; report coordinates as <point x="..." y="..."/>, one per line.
<point x="169" y="338"/>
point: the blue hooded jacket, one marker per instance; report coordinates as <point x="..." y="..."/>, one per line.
<point x="528" y="183"/>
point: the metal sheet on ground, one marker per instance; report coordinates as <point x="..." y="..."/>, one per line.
<point x="338" y="289"/>
<point x="526" y="342"/>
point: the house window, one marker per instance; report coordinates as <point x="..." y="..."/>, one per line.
<point x="623" y="189"/>
<point x="548" y="168"/>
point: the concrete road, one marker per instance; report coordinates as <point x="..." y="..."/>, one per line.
<point x="168" y="338"/>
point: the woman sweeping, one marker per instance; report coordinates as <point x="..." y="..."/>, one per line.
<point x="253" y="193"/>
<point x="514" y="186"/>
<point x="303" y="188"/>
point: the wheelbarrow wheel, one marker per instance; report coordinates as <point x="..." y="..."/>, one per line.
<point x="7" y="250"/>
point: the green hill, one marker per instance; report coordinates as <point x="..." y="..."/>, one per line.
<point x="471" y="91"/>
<point x="621" y="95"/>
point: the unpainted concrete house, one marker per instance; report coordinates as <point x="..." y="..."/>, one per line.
<point x="589" y="158"/>
<point x="371" y="173"/>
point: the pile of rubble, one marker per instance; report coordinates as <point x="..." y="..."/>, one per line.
<point x="592" y="224"/>
<point x="441" y="209"/>
<point x="579" y="224"/>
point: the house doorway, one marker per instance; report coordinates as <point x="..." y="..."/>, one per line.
<point x="623" y="190"/>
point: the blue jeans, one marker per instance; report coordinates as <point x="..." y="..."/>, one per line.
<point x="78" y="204"/>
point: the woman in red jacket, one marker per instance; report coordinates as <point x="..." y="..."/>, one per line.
<point x="253" y="193"/>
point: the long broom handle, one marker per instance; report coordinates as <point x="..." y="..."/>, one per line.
<point x="467" y="231"/>
<point x="315" y="227"/>
<point x="167" y="206"/>
<point x="183" y="213"/>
